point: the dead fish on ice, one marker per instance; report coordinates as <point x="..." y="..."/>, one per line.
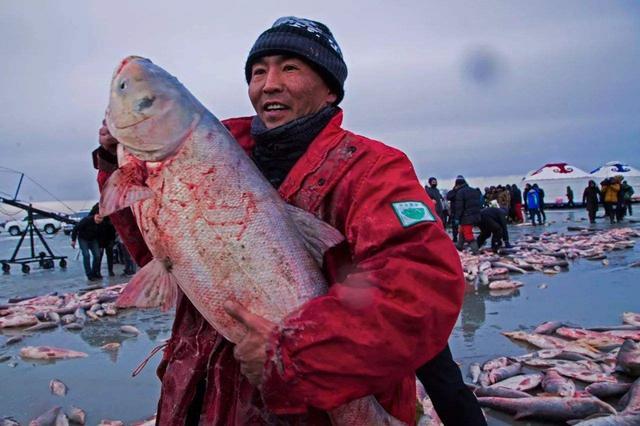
<point x="44" y="325"/>
<point x="49" y="352"/>
<point x="548" y="408"/>
<point x="129" y="329"/>
<point x="111" y="346"/>
<point x="628" y="360"/>
<point x="505" y="284"/>
<point x="521" y="382"/>
<point x="554" y="384"/>
<point x="77" y="415"/>
<point x="631" y="318"/>
<point x="57" y="387"/>
<point x="53" y="417"/>
<point x="495" y="363"/>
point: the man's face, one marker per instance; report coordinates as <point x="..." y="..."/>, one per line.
<point x="284" y="88"/>
<point x="433" y="183"/>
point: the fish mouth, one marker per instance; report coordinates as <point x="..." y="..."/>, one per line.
<point x="132" y="124"/>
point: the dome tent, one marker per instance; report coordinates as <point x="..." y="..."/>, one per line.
<point x="618" y="168"/>
<point x="554" y="178"/>
<point x="615" y="168"/>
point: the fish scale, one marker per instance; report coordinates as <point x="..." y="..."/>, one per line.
<point x="269" y="276"/>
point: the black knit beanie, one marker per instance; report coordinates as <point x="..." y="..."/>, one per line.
<point x="310" y="40"/>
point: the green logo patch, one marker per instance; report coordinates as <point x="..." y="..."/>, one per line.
<point x="412" y="212"/>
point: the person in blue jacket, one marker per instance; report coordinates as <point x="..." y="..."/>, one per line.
<point x="533" y="204"/>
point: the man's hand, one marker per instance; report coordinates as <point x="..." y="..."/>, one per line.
<point x="107" y="141"/>
<point x="73" y="243"/>
<point x="251" y="351"/>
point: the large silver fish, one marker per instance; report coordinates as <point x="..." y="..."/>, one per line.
<point x="215" y="226"/>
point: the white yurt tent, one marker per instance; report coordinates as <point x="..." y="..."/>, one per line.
<point x="618" y="168"/>
<point x="554" y="178"/>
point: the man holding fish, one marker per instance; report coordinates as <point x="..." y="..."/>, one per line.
<point x="395" y="284"/>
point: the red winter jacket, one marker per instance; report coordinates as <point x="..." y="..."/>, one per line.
<point x="396" y="289"/>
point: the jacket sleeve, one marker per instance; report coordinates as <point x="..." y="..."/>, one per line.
<point x="123" y="221"/>
<point x="77" y="228"/>
<point x="393" y="312"/>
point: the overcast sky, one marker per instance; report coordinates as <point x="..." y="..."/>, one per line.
<point x="463" y="87"/>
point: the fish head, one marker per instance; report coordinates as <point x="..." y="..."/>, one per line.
<point x="150" y="112"/>
<point x="518" y="335"/>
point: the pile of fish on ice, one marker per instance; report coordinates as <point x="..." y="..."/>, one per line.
<point x="604" y="361"/>
<point x="549" y="253"/>
<point x="69" y="311"/>
<point x="56" y="416"/>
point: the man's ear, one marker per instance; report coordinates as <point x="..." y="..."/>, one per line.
<point x="331" y="97"/>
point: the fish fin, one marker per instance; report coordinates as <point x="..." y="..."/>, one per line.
<point x="318" y="236"/>
<point x="150" y="287"/>
<point x="123" y="188"/>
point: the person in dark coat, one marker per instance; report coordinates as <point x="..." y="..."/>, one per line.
<point x="493" y="223"/>
<point x="628" y="192"/>
<point x="451" y="199"/>
<point x="511" y="212"/>
<point x="86" y="232"/>
<point x="434" y="193"/>
<point x="467" y="212"/>
<point x="516" y="201"/>
<point x="107" y="241"/>
<point x="570" y="197"/>
<point x="590" y="198"/>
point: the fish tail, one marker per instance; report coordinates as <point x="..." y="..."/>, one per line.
<point x="152" y="286"/>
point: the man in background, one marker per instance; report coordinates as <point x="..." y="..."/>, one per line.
<point x="493" y="223"/>
<point x="438" y="201"/>
<point x="628" y="192"/>
<point x="86" y="232"/>
<point x="467" y="213"/>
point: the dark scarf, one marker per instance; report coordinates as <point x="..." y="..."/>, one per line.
<point x="277" y="150"/>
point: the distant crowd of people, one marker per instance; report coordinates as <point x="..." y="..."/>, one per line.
<point x="464" y="207"/>
<point x="96" y="237"/>
<point x="615" y="194"/>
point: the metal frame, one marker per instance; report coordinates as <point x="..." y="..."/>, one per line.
<point x="46" y="261"/>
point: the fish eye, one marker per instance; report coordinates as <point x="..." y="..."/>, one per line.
<point x="123" y="85"/>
